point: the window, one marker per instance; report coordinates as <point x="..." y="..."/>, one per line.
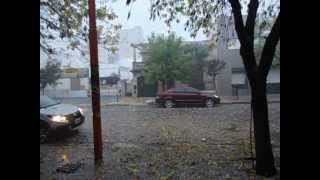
<point x="177" y="90"/>
<point x="238" y="78"/>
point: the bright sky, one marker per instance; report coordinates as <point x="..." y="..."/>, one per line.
<point x="140" y="13"/>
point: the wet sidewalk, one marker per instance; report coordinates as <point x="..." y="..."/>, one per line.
<point x="247" y="99"/>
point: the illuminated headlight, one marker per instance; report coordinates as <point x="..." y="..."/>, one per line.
<point x="61" y="119"/>
<point x="81" y="110"/>
<point x="215" y="96"/>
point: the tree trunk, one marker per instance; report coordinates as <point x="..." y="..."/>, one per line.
<point x="264" y="156"/>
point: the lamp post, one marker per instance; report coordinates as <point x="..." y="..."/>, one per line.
<point x="95" y="86"/>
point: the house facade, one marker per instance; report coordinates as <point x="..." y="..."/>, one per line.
<point x="232" y="81"/>
<point x="78" y="85"/>
<point x="74" y="82"/>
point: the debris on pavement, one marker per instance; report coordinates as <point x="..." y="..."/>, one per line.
<point x="69" y="167"/>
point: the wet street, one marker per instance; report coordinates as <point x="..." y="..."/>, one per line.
<point x="142" y="142"/>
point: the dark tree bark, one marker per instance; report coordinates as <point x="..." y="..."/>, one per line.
<point x="257" y="76"/>
<point x="264" y="155"/>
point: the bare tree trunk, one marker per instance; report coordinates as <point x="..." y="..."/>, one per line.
<point x="264" y="156"/>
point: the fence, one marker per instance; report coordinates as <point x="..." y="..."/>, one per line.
<point x="61" y="93"/>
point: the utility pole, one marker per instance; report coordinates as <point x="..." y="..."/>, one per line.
<point x="95" y="80"/>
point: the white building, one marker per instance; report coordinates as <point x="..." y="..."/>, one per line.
<point x="109" y="63"/>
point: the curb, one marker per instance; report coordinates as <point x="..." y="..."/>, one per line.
<point x="245" y="102"/>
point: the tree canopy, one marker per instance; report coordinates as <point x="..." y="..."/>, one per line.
<point x="49" y="74"/>
<point x="68" y="19"/>
<point x="166" y="59"/>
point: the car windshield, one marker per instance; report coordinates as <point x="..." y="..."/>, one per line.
<point x="46" y="101"/>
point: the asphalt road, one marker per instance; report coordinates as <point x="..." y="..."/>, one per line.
<point x="142" y="142"/>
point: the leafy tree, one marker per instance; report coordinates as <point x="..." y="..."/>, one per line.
<point x="49" y="74"/>
<point x="203" y="14"/>
<point x="215" y="66"/>
<point x="68" y="19"/>
<point x="166" y="60"/>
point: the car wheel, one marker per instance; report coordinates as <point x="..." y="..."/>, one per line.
<point x="43" y="135"/>
<point x="168" y="104"/>
<point x="209" y="103"/>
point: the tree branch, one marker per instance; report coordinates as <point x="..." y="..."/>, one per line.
<point x="251" y="18"/>
<point x="239" y="26"/>
<point x="246" y="50"/>
<point x="270" y="48"/>
<point x="54" y="26"/>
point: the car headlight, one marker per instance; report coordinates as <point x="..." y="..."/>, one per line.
<point x="61" y="119"/>
<point x="215" y="96"/>
<point x="81" y="110"/>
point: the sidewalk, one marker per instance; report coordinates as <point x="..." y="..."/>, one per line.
<point x="247" y="99"/>
<point x="224" y="100"/>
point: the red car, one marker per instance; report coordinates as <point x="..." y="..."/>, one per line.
<point x="185" y="96"/>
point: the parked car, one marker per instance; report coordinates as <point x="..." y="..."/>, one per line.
<point x="57" y="117"/>
<point x="185" y="96"/>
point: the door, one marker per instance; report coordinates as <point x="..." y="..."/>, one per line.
<point x="179" y="95"/>
<point x="193" y="96"/>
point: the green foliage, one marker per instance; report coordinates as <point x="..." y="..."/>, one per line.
<point x="50" y="74"/>
<point x="166" y="59"/>
<point x="204" y="14"/>
<point x="207" y="15"/>
<point x="68" y="19"/>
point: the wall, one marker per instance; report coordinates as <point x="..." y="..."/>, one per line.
<point x="233" y="59"/>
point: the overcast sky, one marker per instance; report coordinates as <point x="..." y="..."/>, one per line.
<point x="140" y="13"/>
